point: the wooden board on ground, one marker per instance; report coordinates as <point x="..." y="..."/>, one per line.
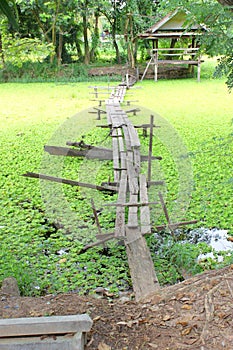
<point x="45" y="333"/>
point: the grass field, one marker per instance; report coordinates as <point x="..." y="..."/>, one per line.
<point x="195" y="141"/>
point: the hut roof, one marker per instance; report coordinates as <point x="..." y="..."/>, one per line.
<point x="172" y="25"/>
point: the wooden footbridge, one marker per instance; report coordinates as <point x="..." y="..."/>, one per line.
<point x="132" y="220"/>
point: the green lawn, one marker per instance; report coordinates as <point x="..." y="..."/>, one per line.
<point x="195" y="141"/>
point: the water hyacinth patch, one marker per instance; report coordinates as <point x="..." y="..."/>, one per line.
<point x="32" y="237"/>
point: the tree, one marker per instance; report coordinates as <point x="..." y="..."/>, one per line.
<point x="137" y="15"/>
<point x="112" y="10"/>
<point x="226" y="2"/>
<point x="6" y="10"/>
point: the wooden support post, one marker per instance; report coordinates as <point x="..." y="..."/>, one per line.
<point x="96" y="92"/>
<point x="199" y="70"/>
<point x="166" y="213"/>
<point x="96" y="216"/>
<point x="144" y="210"/>
<point x="156" y="65"/>
<point x="150" y="148"/>
<point x="127" y="80"/>
<point x="148" y="64"/>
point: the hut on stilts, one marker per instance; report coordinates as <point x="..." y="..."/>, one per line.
<point x="175" y="47"/>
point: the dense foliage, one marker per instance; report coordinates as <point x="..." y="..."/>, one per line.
<point x="82" y="30"/>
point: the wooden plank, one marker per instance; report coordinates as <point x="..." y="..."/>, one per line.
<point x="116" y="156"/>
<point x="17" y="327"/>
<point x="176" y="49"/>
<point x="150" y="148"/>
<point x="176" y="225"/>
<point x="132" y="175"/>
<point x="105" y="235"/>
<point x="146" y="158"/>
<point x="129" y="204"/>
<point x="69" y="182"/>
<point x="91" y="153"/>
<point x="126" y="137"/>
<point x="120" y="140"/>
<point x="133" y="212"/>
<point x="144" y="211"/>
<point x="52" y="342"/>
<point x="120" y="211"/>
<point x="134" y="139"/>
<point x="193" y="62"/>
<point x="134" y="189"/>
<point x="117" y="119"/>
<point x="141" y="266"/>
<point x="137" y="160"/>
<point x="109" y="88"/>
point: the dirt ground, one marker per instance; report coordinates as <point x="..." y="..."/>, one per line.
<point x="194" y="314"/>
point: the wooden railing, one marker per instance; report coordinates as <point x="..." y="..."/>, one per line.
<point x="174" y="56"/>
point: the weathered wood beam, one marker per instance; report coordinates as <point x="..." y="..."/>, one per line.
<point x="99" y="110"/>
<point x="70" y="182"/>
<point x="129" y="204"/>
<point x="96" y="216"/>
<point x="89" y="153"/>
<point x="144" y="211"/>
<point x="32" y="326"/>
<point x="150" y="147"/>
<point x="105" y="235"/>
<point x="134" y="111"/>
<point x="100" y="101"/>
<point x="141" y="266"/>
<point x="164" y="207"/>
<point x="95" y="244"/>
<point x="104" y="126"/>
<point x="120" y="211"/>
<point x="174" y="226"/>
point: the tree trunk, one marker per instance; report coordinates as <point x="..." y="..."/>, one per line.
<point x="128" y="35"/>
<point x="95" y="39"/>
<point x="226" y="3"/>
<point x="60" y="46"/>
<point x="86" y="43"/>
<point x="2" y="58"/>
<point x="115" y="45"/>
